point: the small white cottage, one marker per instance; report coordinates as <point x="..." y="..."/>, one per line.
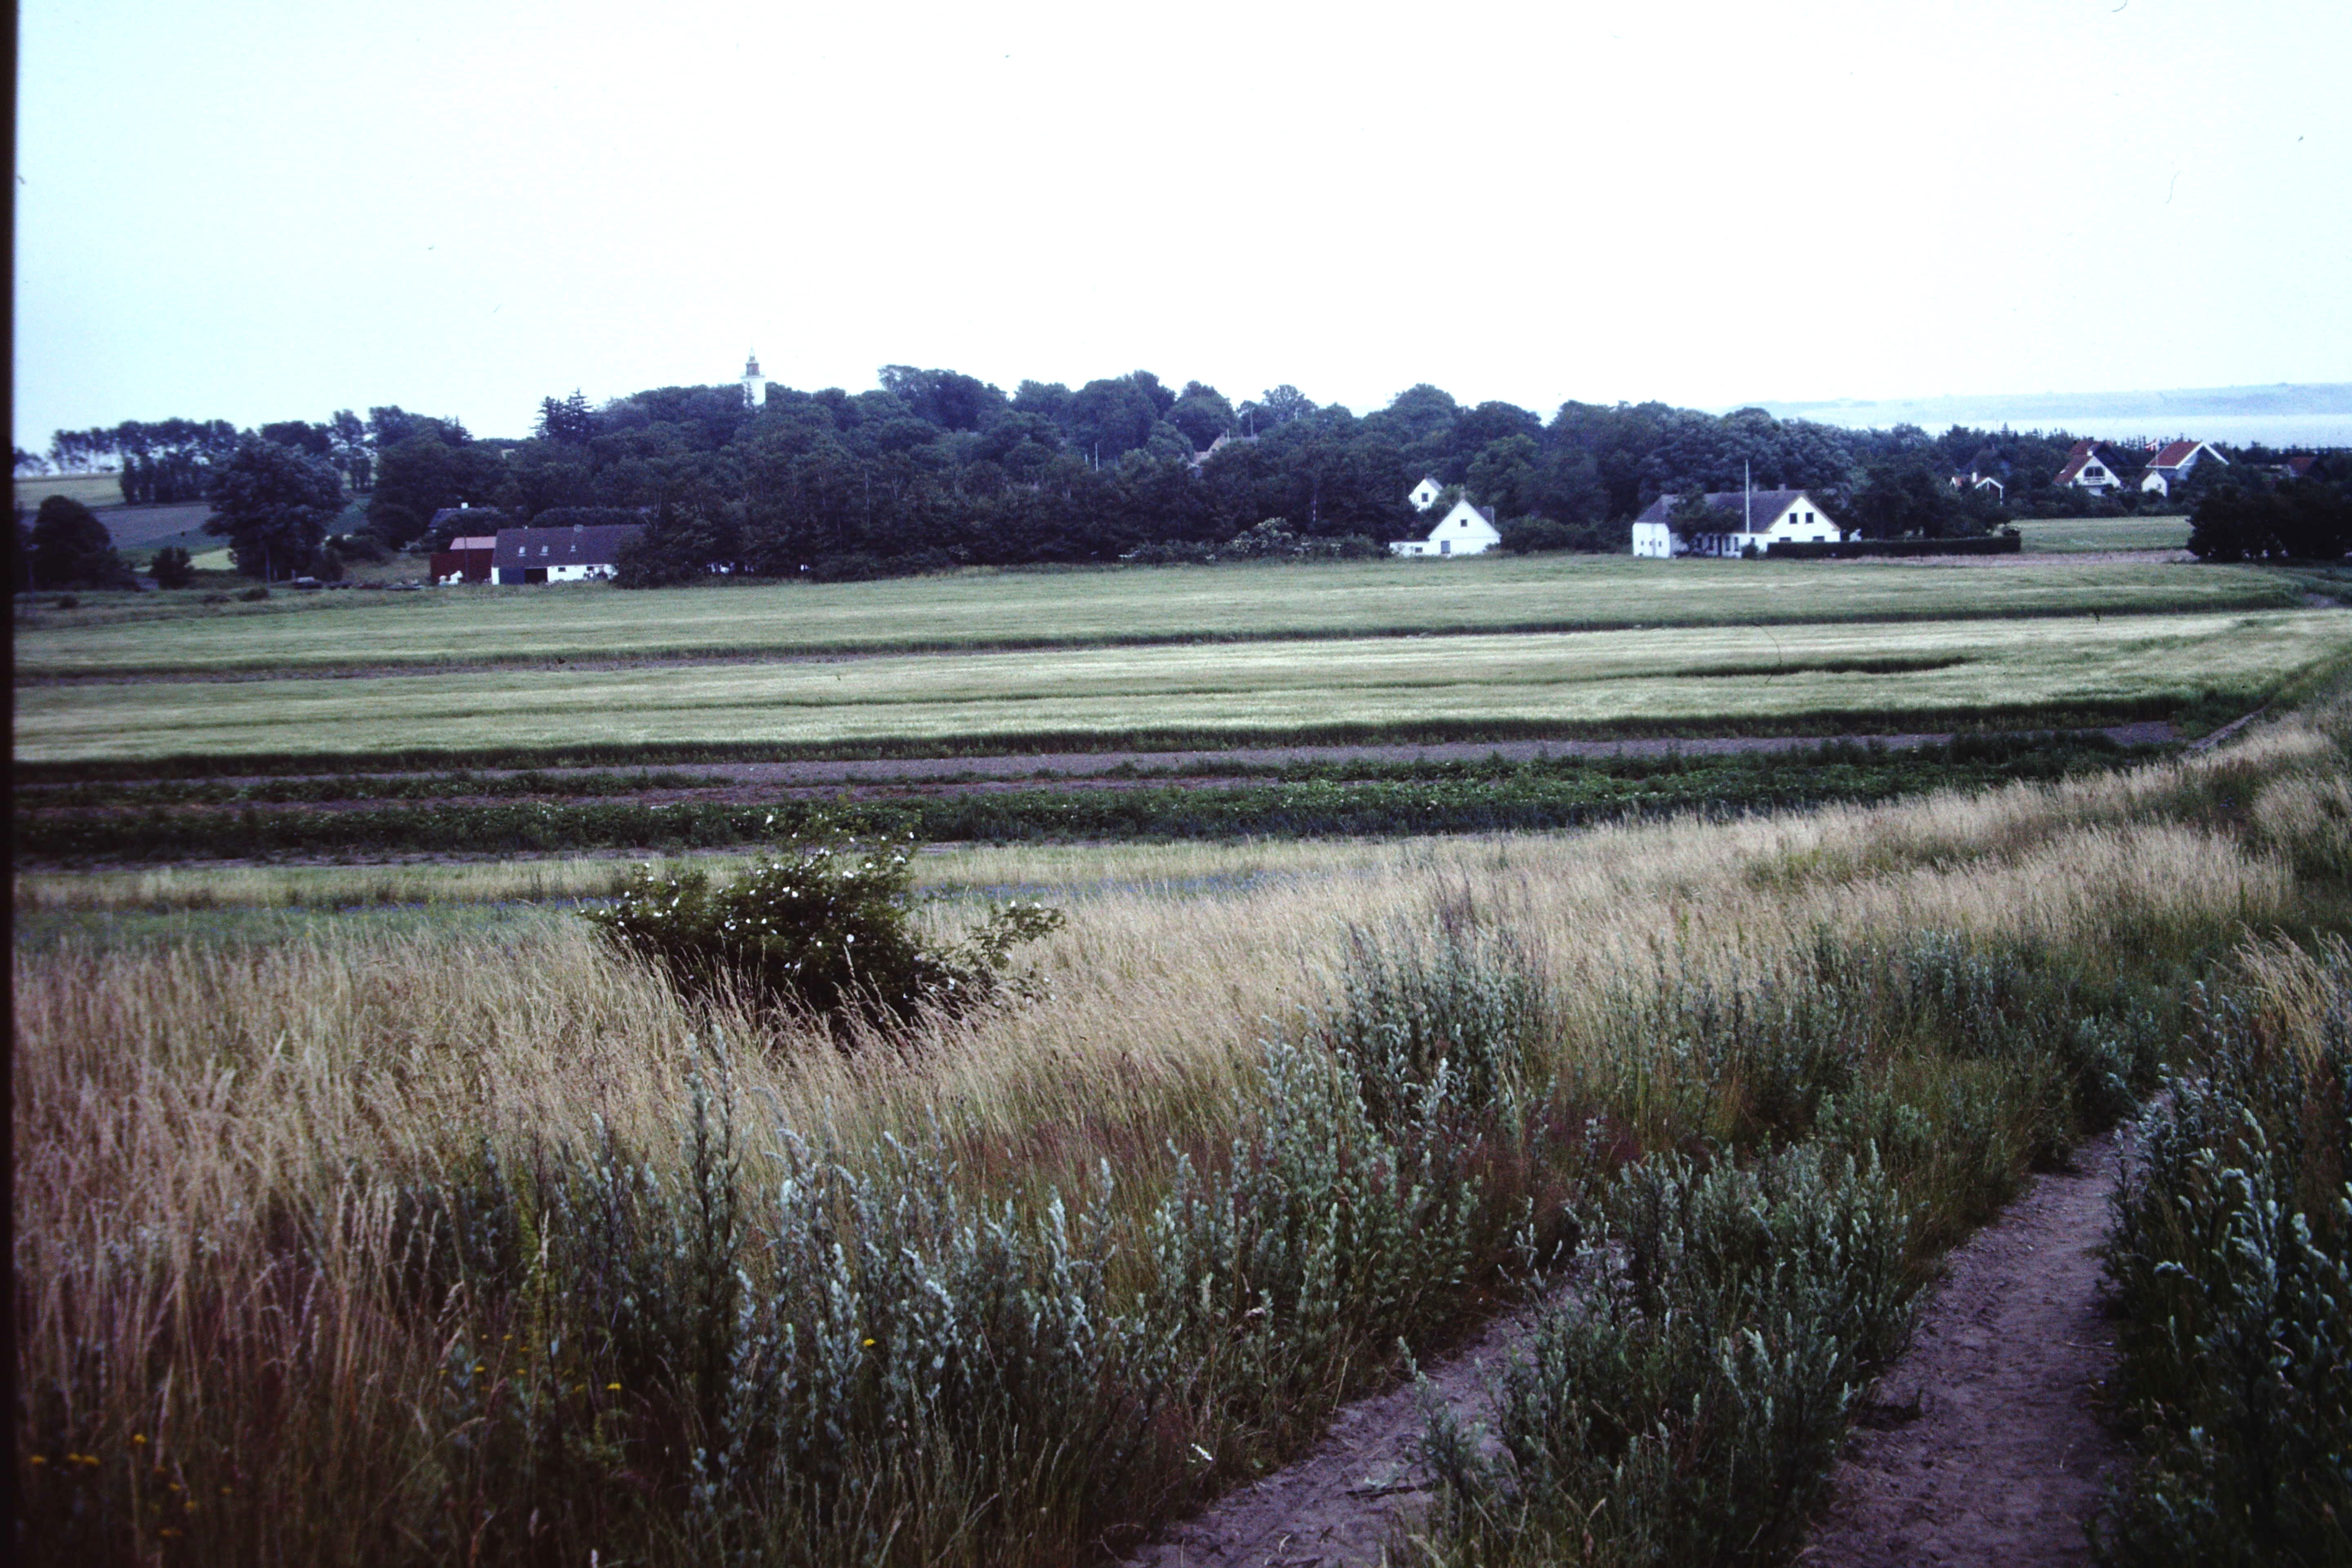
<point x="1424" y="494"/>
<point x="1738" y="522"/>
<point x="1464" y="530"/>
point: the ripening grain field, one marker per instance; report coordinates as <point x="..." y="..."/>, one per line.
<point x="1939" y="673"/>
<point x="170" y="634"/>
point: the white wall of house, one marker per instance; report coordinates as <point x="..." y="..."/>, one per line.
<point x="1464" y="530"/>
<point x="1653" y="540"/>
<point x="1424" y="494"/>
<point x="1800" y="521"/>
<point x="2096" y="476"/>
<point x="2155" y="483"/>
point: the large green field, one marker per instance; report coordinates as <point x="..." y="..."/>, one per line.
<point x="1695" y="679"/>
<point x="2079" y="536"/>
<point x="161" y="634"/>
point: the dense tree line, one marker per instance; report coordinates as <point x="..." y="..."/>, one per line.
<point x="933" y="469"/>
<point x="2246" y="512"/>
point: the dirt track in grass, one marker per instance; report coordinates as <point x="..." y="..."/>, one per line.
<point x="1980" y="1446"/>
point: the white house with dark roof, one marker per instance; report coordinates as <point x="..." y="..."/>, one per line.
<point x="1424" y="494"/>
<point x="2089" y="467"/>
<point x="1465" y="530"/>
<point x="1738" y="522"/>
<point x="2173" y="464"/>
<point x="575" y="555"/>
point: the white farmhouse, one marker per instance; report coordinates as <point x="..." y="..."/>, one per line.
<point x="1465" y="531"/>
<point x="575" y="555"/>
<point x="1738" y="522"/>
<point x="1424" y="494"/>
<point x="2172" y="465"/>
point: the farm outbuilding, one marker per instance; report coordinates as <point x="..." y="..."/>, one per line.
<point x="469" y="559"/>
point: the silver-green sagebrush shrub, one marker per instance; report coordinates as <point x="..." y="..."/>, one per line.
<point x="1684" y="1404"/>
<point x="821" y="930"/>
<point x="2230" y="1259"/>
<point x="1462" y="1011"/>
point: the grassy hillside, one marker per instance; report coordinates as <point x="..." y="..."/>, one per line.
<point x="90" y="489"/>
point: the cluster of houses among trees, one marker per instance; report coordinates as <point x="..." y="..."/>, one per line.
<point x="933" y="469"/>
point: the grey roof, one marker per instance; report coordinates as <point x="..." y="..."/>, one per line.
<point x="1732" y="506"/>
<point x="579" y="545"/>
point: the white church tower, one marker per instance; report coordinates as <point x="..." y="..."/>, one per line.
<point x="755" y="385"/>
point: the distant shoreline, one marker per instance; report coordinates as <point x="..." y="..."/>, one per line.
<point x="2313" y="413"/>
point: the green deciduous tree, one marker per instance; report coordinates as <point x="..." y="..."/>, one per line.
<point x="1202" y="414"/>
<point x="171" y="567"/>
<point x="70" y="548"/>
<point x="273" y="504"/>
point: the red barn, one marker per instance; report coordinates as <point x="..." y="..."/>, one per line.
<point x="467" y="560"/>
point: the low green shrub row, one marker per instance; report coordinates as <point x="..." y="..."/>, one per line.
<point x="1532" y="796"/>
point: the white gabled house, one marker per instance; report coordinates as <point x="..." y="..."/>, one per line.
<point x="1424" y="494"/>
<point x="580" y="553"/>
<point x="1738" y="522"/>
<point x="2088" y="468"/>
<point x="1464" y="530"/>
<point x="2173" y="464"/>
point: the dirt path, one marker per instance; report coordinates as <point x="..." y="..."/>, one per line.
<point x="1334" y="1508"/>
<point x="1980" y="1446"/>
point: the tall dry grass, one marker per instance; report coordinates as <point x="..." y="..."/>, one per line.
<point x="238" y="1342"/>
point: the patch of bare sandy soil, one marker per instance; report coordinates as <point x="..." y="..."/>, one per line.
<point x="1979" y="1446"/>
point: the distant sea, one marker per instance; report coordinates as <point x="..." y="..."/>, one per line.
<point x="2304" y="415"/>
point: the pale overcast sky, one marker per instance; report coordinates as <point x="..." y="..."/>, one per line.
<point x="273" y="210"/>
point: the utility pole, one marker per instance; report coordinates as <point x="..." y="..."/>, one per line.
<point x="1747" y="498"/>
